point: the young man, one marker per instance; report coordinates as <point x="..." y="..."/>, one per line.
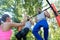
<point x="41" y="22"/>
<point x="22" y="34"/>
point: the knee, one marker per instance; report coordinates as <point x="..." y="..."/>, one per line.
<point x="18" y="35"/>
<point x="33" y="31"/>
<point x="46" y="27"/>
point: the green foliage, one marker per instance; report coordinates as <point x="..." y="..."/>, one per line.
<point x="17" y="8"/>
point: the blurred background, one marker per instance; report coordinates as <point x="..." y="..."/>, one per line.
<point x="16" y="8"/>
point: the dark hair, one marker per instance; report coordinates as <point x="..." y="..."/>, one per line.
<point x="4" y="17"/>
<point x="0" y="21"/>
<point x="28" y="19"/>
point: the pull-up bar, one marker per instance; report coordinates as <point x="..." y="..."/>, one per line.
<point x="55" y="12"/>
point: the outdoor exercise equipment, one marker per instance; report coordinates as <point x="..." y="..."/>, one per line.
<point x="57" y="16"/>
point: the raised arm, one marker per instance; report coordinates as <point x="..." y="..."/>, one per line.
<point x="31" y="22"/>
<point x="16" y="24"/>
<point x="35" y="19"/>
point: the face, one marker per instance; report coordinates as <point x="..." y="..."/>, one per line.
<point x="8" y="19"/>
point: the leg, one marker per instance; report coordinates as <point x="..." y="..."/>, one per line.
<point x="24" y="38"/>
<point x="46" y="33"/>
<point x="19" y="39"/>
<point x="18" y="35"/>
<point x="26" y="30"/>
<point x="35" y="31"/>
<point x="45" y="30"/>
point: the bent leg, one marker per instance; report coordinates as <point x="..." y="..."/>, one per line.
<point x="35" y="31"/>
<point x="18" y="35"/>
<point x="26" y="30"/>
<point x="46" y="30"/>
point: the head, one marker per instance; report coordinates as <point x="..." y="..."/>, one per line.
<point x="6" y="18"/>
<point x="28" y="18"/>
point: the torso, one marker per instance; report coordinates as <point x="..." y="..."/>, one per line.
<point x="5" y="31"/>
<point x="40" y="16"/>
<point x="5" y="35"/>
<point x="28" y="24"/>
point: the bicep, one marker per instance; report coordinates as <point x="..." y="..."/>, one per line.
<point x="32" y="22"/>
<point x="35" y="18"/>
<point x="15" y="24"/>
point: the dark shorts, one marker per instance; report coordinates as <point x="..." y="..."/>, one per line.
<point x="22" y="33"/>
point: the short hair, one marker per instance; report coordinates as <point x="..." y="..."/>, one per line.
<point x="0" y="21"/>
<point x="4" y="17"/>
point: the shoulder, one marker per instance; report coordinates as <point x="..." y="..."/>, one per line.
<point x="8" y="23"/>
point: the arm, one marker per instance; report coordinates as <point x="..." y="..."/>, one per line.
<point x="17" y="24"/>
<point x="31" y="22"/>
<point x="47" y="14"/>
<point x="35" y="19"/>
<point x="9" y="25"/>
<point x="25" y="17"/>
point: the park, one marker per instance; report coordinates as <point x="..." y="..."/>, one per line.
<point x="24" y="13"/>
